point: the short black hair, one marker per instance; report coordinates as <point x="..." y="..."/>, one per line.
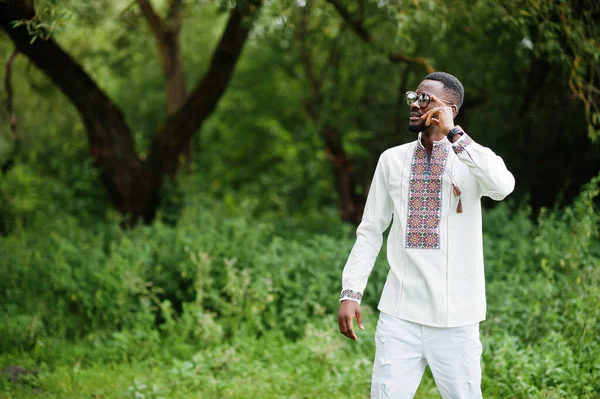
<point x="451" y="84"/>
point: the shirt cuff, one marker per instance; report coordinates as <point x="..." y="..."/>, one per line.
<point x="351" y="295"/>
<point x="463" y="142"/>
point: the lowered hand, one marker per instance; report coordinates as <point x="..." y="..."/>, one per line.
<point x="349" y="310"/>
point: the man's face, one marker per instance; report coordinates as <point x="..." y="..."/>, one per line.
<point x="415" y="123"/>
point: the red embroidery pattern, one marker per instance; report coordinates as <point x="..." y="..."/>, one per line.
<point x="349" y="294"/>
<point x="425" y="198"/>
<point x="461" y="145"/>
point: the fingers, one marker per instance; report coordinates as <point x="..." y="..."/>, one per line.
<point x="429" y="118"/>
<point x="437" y="101"/>
<point x="349" y="310"/>
<point x="349" y="330"/>
<point x="345" y="318"/>
<point x="359" y="320"/>
<point x="345" y="325"/>
<point x="351" y="334"/>
<point x="342" y="324"/>
<point x="429" y="115"/>
<point x="433" y="115"/>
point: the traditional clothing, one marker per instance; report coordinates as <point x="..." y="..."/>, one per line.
<point x="434" y="296"/>
<point x="434" y="248"/>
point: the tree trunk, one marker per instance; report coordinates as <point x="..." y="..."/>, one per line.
<point x="351" y="204"/>
<point x="110" y="142"/>
<point x="12" y="116"/>
<point x="131" y="183"/>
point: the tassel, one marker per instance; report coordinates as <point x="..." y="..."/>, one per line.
<point x="457" y="192"/>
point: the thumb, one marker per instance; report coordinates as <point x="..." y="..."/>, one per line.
<point x="359" y="320"/>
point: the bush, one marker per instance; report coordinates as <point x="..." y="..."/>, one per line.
<point x="63" y="279"/>
<point x="221" y="272"/>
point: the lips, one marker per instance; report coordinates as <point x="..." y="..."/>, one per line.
<point x="414" y="115"/>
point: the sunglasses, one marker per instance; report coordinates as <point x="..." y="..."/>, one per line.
<point x="423" y="99"/>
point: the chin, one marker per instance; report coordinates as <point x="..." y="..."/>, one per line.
<point x="416" y="128"/>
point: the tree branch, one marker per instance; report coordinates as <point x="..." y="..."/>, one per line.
<point x="357" y="25"/>
<point x="179" y="128"/>
<point x="9" y="95"/>
<point x="12" y="116"/>
<point x="350" y="204"/>
<point x="174" y="14"/>
<point x="132" y="183"/>
<point x="154" y="20"/>
<point x="109" y="138"/>
<point x="305" y="56"/>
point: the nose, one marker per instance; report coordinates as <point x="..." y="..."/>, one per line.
<point x="414" y="106"/>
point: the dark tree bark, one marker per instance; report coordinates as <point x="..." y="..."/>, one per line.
<point x="131" y="182"/>
<point x="167" y="34"/>
<point x="109" y="138"/>
<point x="12" y="115"/>
<point x="351" y="204"/>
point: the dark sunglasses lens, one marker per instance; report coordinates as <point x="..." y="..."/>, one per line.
<point x="423" y="100"/>
<point x="411" y="97"/>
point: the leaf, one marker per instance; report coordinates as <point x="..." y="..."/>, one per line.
<point x="592" y="133"/>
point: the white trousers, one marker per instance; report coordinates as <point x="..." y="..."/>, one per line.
<point x="403" y="349"/>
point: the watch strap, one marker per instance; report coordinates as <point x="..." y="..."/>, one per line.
<point x="456" y="130"/>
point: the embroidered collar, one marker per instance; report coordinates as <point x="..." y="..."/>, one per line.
<point x="443" y="142"/>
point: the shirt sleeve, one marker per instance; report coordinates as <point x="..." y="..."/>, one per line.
<point x="495" y="181"/>
<point x="369" y="235"/>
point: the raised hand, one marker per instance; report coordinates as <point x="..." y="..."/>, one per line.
<point x="441" y="116"/>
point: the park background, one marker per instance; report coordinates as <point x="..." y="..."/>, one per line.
<point x="181" y="182"/>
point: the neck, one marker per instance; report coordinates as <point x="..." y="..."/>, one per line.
<point x="429" y="135"/>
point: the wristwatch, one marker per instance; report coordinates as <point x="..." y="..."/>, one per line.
<point x="456" y="130"/>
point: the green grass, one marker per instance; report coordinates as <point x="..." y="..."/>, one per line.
<point x="223" y="306"/>
<point x="323" y="364"/>
<point x="518" y="361"/>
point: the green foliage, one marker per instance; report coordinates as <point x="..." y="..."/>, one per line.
<point x="544" y="316"/>
<point x="95" y="279"/>
<point x="238" y="277"/>
<point x="564" y="32"/>
<point x="222" y="276"/>
<point x="529" y="75"/>
<point x="26" y="196"/>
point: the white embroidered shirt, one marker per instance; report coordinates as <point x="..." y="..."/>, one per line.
<point x="435" y="252"/>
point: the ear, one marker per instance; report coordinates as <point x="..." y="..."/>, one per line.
<point x="454" y="110"/>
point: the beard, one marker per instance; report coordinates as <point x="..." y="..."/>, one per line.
<point x="417" y="128"/>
